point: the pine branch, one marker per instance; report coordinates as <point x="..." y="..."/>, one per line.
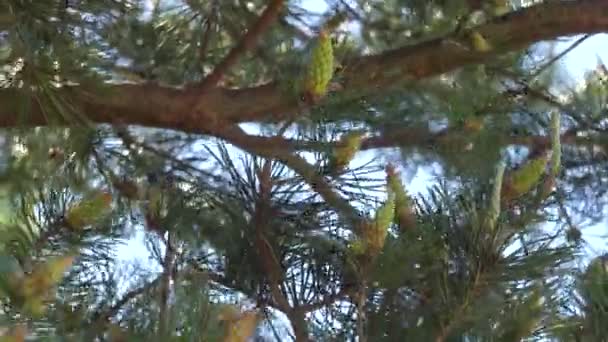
<point x="205" y="39"/>
<point x="247" y="42"/>
<point x="459" y="314"/>
<point x="133" y="144"/>
<point x="559" y="56"/>
<point x="157" y="106"/>
<point x="401" y="136"/>
<point x="308" y="172"/>
<point x="100" y="318"/>
<point x="327" y="300"/>
<point x="526" y="90"/>
<point x="270" y="264"/>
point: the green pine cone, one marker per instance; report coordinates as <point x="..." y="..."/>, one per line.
<point x="345" y="151"/>
<point x="321" y="67"/>
<point x="89" y="210"/>
<point x="376" y="233"/>
<point x="357" y="247"/>
<point x="524" y="179"/>
<point x="403" y="204"/>
<point x="386" y="213"/>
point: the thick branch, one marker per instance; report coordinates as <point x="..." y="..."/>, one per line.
<point x="157" y="106"/>
<point x="517" y="30"/>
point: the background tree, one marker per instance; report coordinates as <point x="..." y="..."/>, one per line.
<point x="230" y="134"/>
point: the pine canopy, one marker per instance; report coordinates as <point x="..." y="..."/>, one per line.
<point x="214" y="170"/>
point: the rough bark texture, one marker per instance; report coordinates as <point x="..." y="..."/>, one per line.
<point x="189" y="110"/>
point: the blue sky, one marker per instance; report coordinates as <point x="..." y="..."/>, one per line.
<point x="584" y="56"/>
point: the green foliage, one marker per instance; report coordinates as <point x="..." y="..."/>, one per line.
<point x="525" y="178"/>
<point x="344" y="151"/>
<point x="594" y="290"/>
<point x="373" y="234"/>
<point x="386" y="213"/>
<point x="404" y="208"/>
<point x="480" y="43"/>
<point x="89" y="210"/>
<point x="452" y="257"/>
<point x="204" y="226"/>
<point x="495" y="199"/>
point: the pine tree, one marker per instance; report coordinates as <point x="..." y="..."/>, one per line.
<point x="258" y="152"/>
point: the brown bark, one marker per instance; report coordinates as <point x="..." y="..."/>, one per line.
<point x="190" y="111"/>
<point x="269" y="263"/>
<point x="300" y="327"/>
<point x="267" y="258"/>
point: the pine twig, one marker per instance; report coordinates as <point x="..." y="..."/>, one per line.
<point x="559" y="56"/>
<point x="100" y="318"/>
<point x="246" y="43"/>
<point x="361" y="319"/>
<point x="270" y="263"/>
<point x="460" y="313"/>
<point x="205" y="37"/>
<point x="236" y="136"/>
<point x="345" y="291"/>
<point x="165" y="287"/>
